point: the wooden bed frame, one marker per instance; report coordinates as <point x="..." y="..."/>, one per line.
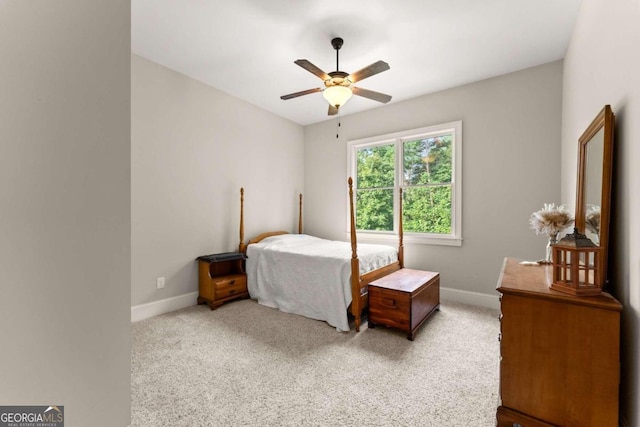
<point x="359" y="283"/>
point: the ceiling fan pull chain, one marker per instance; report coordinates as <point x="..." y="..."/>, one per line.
<point x="338" y="126"/>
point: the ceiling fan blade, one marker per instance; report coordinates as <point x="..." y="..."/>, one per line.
<point x="303" y="92"/>
<point x="332" y="110"/>
<point x="376" y="96"/>
<point x="368" y="71"/>
<point x="312" y="68"/>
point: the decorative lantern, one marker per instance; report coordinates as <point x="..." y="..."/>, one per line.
<point x="577" y="268"/>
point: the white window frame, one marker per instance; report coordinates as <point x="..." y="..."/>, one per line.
<point x="397" y="138"/>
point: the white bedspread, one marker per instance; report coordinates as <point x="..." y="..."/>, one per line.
<point x="306" y="275"/>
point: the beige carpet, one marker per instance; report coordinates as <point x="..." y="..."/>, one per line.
<point x="249" y="365"/>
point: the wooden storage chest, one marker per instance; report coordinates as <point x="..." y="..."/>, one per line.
<point x="404" y="299"/>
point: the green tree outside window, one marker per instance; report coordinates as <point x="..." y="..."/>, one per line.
<point x="427" y="184"/>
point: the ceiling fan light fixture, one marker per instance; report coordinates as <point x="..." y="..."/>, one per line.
<point x="337" y="95"/>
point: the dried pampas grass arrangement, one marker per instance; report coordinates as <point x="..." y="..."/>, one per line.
<point x="550" y="220"/>
<point x="592" y="219"/>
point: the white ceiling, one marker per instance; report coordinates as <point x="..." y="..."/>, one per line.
<point x="247" y="47"/>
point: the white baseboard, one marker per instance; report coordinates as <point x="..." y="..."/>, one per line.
<point x="471" y="298"/>
<point x="156" y="308"/>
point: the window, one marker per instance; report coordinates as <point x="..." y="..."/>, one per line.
<point x="426" y="164"/>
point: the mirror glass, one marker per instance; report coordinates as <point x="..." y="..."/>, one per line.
<point x="593" y="185"/>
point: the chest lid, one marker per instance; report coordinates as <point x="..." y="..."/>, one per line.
<point x="405" y="280"/>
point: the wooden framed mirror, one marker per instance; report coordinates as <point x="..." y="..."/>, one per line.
<point x="593" y="194"/>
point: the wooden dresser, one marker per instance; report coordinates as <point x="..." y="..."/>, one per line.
<point x="560" y="354"/>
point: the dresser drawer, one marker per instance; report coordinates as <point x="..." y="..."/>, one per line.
<point x="506" y="417"/>
<point x="229" y="286"/>
<point x="391" y="308"/>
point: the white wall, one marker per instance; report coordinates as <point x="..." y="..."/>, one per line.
<point x="511" y="163"/>
<point x="65" y="208"/>
<point x="602" y="66"/>
<point x="193" y="147"/>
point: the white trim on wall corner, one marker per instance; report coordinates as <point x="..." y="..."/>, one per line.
<point x="156" y="308"/>
<point x="471" y="298"/>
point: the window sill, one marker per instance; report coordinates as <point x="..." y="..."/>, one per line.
<point x="392" y="239"/>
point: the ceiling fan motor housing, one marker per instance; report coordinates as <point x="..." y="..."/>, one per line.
<point x="338" y="78"/>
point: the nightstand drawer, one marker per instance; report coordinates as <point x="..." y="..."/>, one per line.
<point x="230" y="285"/>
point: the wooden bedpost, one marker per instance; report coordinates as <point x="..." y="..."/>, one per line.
<point x="356" y="301"/>
<point x="242" y="247"/>
<point x="400" y="235"/>
<point x="300" y="216"/>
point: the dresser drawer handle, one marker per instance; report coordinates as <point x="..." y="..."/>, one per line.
<point x="232" y="291"/>
<point x="231" y="282"/>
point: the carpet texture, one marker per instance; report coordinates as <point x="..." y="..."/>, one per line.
<point x="248" y="365"/>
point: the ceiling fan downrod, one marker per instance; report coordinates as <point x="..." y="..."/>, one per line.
<point x="337" y="44"/>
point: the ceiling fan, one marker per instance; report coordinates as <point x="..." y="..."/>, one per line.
<point x="338" y="85"/>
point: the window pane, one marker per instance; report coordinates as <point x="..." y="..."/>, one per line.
<point x="427" y="210"/>
<point x="427" y="160"/>
<point x="374" y="210"/>
<point x="375" y="166"/>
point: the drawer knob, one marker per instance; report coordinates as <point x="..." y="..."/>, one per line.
<point x="231" y="282"/>
<point x="232" y="291"/>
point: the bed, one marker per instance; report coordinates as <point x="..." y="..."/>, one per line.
<point x="315" y="277"/>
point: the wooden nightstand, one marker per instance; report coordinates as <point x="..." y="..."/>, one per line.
<point x="404" y="299"/>
<point x="221" y="278"/>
